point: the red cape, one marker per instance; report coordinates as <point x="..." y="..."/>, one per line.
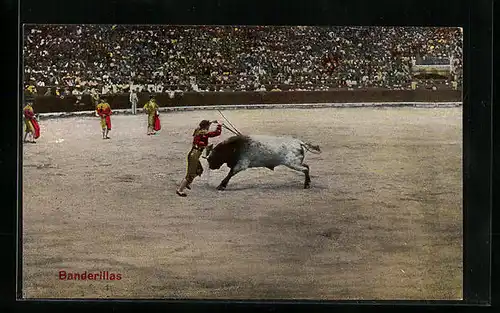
<point x="157" y="124"/>
<point x="34" y="122"/>
<point x="108" y="122"/>
<point x="106" y="113"/>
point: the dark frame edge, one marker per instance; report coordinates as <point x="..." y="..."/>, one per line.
<point x="478" y="155"/>
<point x="477" y="121"/>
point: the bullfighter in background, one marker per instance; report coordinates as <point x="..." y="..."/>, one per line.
<point x="32" y="128"/>
<point x="103" y="110"/>
<point x="151" y="108"/>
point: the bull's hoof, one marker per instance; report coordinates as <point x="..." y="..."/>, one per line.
<point x="307" y="186"/>
<point x="221" y="187"/>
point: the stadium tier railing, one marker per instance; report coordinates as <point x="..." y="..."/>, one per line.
<point x="50" y="104"/>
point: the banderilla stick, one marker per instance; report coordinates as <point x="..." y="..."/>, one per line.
<point x="234" y="128"/>
<point x="231" y="130"/>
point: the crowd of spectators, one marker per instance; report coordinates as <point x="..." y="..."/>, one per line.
<point x="75" y="59"/>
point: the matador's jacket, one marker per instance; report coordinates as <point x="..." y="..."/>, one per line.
<point x="104" y="111"/>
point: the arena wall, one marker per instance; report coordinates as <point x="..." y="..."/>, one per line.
<point x="51" y="104"/>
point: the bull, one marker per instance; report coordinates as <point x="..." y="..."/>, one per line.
<point x="241" y="152"/>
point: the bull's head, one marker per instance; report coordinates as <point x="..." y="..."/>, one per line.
<point x="217" y="156"/>
<point x="227" y="151"/>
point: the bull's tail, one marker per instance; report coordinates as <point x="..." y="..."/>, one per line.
<point x="311" y="148"/>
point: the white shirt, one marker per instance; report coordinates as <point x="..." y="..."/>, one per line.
<point x="133" y="97"/>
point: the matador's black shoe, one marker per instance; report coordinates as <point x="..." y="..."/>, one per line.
<point x="181" y="194"/>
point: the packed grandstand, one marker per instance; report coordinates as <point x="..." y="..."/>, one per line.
<point x="75" y="59"/>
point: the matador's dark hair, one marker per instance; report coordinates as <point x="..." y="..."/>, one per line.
<point x="203" y="124"/>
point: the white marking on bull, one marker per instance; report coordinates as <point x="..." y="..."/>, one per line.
<point x="243" y="152"/>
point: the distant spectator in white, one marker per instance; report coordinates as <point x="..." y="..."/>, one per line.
<point x="105" y="89"/>
<point x="78" y="94"/>
<point x="133" y="100"/>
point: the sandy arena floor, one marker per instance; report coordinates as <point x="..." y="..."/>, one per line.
<point x="382" y="220"/>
